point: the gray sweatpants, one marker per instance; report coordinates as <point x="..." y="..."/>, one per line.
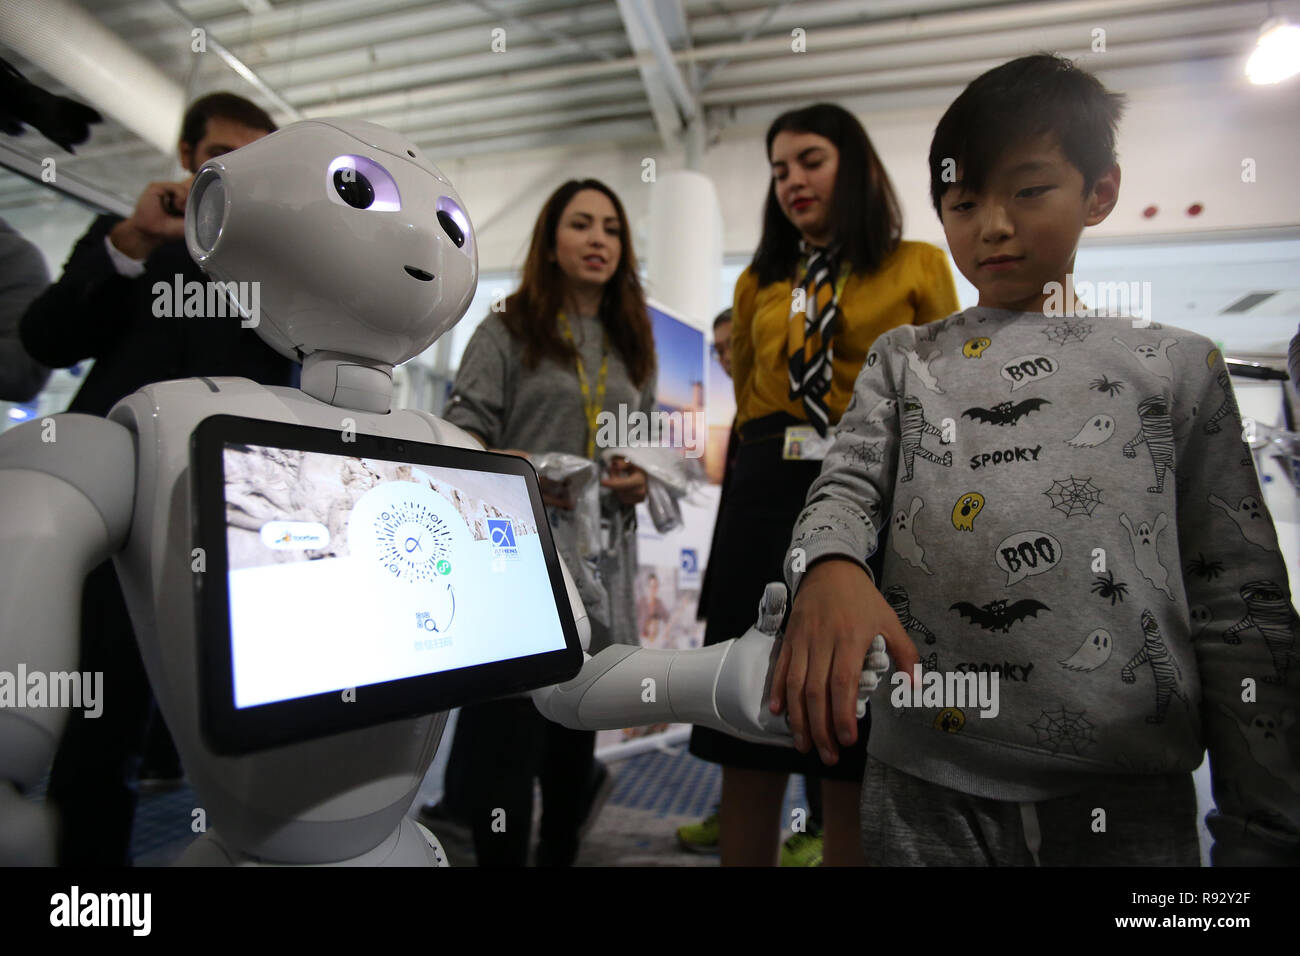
<point x="1142" y="820"/>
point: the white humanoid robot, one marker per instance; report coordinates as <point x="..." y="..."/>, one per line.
<point x="364" y="255"/>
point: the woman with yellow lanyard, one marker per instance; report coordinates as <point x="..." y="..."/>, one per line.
<point x="830" y="275"/>
<point x="573" y="341"/>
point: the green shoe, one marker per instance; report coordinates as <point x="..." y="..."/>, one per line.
<point x="802" y="849"/>
<point x="700" y="837"/>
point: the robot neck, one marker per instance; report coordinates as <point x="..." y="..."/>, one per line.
<point x="348" y="381"/>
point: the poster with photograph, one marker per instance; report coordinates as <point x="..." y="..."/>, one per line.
<point x="670" y="565"/>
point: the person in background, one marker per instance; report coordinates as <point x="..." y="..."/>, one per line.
<point x="23" y="277"/>
<point x="573" y="341"/>
<point x="651" y="614"/>
<point x="101" y="308"/>
<point x="722" y="339"/>
<point x="799" y="849"/>
<point x="831" y="274"/>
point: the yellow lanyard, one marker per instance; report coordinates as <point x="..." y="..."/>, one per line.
<point x="591" y="406"/>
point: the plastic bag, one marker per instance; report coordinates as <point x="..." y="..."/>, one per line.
<point x="666" y="482"/>
<point x="577" y="530"/>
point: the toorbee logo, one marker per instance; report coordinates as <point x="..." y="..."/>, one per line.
<point x="295" y="535"/>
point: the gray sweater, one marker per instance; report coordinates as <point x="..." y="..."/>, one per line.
<point x="540" y="410"/>
<point x="1072" y="509"/>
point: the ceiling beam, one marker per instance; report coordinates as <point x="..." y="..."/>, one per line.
<point x="672" y="105"/>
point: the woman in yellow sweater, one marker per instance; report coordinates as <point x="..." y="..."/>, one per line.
<point x="830" y="275"/>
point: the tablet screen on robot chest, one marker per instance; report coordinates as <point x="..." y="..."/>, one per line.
<point x="352" y="580"/>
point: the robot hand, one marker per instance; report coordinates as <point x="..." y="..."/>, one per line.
<point x="747" y="669"/>
<point x="738" y="668"/>
<point x="725" y="687"/>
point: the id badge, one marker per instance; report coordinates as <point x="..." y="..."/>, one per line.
<point x="802" y="443"/>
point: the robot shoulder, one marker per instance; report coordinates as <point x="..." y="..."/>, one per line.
<point x="92" y="454"/>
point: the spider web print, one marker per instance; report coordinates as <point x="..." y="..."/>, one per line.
<point x="1064" y="731"/>
<point x="866" y="453"/>
<point x="1074" y="497"/>
<point x="1068" y="331"/>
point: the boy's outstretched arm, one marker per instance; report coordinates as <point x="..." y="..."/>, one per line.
<point x="1244" y="633"/>
<point x="837" y="611"/>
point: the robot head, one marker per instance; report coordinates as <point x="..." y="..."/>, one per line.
<point x="358" y="243"/>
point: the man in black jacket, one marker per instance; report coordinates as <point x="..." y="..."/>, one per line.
<point x="103" y="308"/>
<point x="23" y="276"/>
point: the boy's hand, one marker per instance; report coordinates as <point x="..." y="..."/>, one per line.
<point x="837" y="614"/>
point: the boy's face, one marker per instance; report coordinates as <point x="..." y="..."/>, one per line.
<point x="1020" y="232"/>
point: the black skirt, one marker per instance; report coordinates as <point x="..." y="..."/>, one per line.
<point x="755" y="520"/>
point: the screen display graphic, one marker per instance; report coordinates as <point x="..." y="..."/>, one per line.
<point x="348" y="571"/>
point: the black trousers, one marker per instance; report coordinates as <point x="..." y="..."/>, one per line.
<point x="500" y="747"/>
<point x="755" y="520"/>
<point x="93" y="779"/>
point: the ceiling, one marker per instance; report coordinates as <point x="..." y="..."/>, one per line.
<point x="676" y="72"/>
<point x="670" y="74"/>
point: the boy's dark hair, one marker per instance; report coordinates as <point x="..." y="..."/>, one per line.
<point x="225" y="106"/>
<point x="1016" y="101"/>
<point x="866" y="219"/>
<point x="721" y="318"/>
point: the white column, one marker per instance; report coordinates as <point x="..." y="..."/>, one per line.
<point x="685" y="246"/>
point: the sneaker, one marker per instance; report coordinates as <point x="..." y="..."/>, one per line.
<point x="700" y="837"/>
<point x="802" y="849"/>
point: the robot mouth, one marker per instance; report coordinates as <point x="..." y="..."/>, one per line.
<point x="419" y="274"/>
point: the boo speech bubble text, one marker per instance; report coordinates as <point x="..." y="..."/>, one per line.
<point x="1026" y="553"/>
<point x="1023" y="369"/>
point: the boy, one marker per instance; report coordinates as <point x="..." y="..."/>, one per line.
<point x="1078" y="539"/>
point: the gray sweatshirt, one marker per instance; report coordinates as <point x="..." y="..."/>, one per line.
<point x="1070" y="508"/>
<point x="541" y="409"/>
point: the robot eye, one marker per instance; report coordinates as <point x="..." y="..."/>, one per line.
<point x="353" y="188"/>
<point x="361" y="183"/>
<point x="451" y="229"/>
<point x="453" y="220"/>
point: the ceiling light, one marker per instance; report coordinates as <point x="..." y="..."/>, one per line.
<point x="1277" y="55"/>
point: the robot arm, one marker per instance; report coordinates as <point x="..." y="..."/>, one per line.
<point x="66" y="490"/>
<point x="724" y="687"/>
